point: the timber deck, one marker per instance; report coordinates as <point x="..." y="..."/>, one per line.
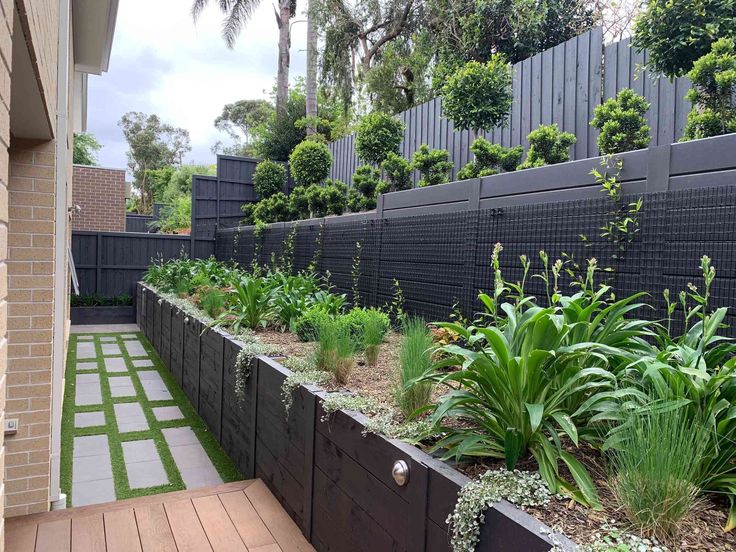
<point x="242" y="516"/>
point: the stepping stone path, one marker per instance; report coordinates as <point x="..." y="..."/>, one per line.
<point x="115" y="424"/>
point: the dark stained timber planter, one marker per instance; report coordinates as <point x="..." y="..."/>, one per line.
<point x="333" y="481"/>
<point x="102" y="315"/>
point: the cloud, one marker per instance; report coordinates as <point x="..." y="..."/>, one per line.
<point x="163" y="63"/>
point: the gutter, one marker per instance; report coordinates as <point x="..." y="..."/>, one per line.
<point x="57" y="499"/>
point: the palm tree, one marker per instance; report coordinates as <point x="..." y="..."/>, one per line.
<point x="311" y="83"/>
<point x="237" y="14"/>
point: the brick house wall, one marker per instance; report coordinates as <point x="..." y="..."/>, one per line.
<point x="6" y="31"/>
<point x="100" y="194"/>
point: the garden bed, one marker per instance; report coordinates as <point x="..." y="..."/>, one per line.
<point x="334" y="481"/>
<point x="102" y="315"/>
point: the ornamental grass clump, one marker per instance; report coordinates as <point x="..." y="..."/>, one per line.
<point x="335" y="351"/>
<point x="415" y="361"/>
<point x="655" y="475"/>
<point x="374" y="331"/>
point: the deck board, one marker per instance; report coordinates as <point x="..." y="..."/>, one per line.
<point x="239" y="517"/>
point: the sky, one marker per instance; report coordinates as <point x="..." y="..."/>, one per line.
<point x="164" y="63"/>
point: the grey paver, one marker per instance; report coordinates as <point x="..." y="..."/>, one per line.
<point x="89" y="419"/>
<point x="115" y="365"/>
<point x="93" y="492"/>
<point x="196" y="478"/>
<point x="190" y="456"/>
<point x="109" y="349"/>
<point x="129" y="336"/>
<point x="142" y="363"/>
<point x="88" y="379"/>
<point x="85" y="337"/>
<point x="164" y="413"/>
<point x="146" y="474"/>
<point x="91" y="468"/>
<point x="153" y="386"/>
<point x="86" y="366"/>
<point x="176" y="436"/>
<point x="121" y="386"/>
<point x="143" y="450"/>
<point x="130" y="417"/>
<point x="87" y="391"/>
<point x="90" y="445"/>
<point x="135" y="349"/>
<point x="192" y="461"/>
<point x="108" y="339"/>
<point x="86" y="350"/>
<point x="120" y="381"/>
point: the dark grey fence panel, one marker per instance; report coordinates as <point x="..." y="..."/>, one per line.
<point x="561" y="85"/>
<point x="138" y="223"/>
<point x="110" y="263"/>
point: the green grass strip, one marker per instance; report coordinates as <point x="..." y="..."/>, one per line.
<point x="224" y="466"/>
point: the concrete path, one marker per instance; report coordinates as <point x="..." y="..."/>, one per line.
<point x="123" y="409"/>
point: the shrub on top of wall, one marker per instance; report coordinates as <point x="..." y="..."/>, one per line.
<point x="433" y="165"/>
<point x="310" y="162"/>
<point x="712" y="94"/>
<point x="478" y="95"/>
<point x="268" y="178"/>
<point x="489" y="159"/>
<point x="362" y="196"/>
<point x="398" y="174"/>
<point x="548" y="145"/>
<point x="377" y="135"/>
<point x="621" y="122"/>
<point x="330" y="199"/>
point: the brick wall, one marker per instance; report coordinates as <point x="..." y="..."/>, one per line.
<point x="6" y="32"/>
<point x="100" y="193"/>
<point x="30" y="324"/>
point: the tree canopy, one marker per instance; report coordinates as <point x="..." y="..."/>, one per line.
<point x="86" y="147"/>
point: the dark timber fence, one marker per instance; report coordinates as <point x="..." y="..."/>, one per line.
<point x="437" y="241"/>
<point x="562" y="85"/>
<point x="110" y="263"/>
<point x="333" y="481"/>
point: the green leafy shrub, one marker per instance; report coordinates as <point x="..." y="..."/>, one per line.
<point x="653" y="475"/>
<point x="713" y="93"/>
<point x="335" y="351"/>
<point x="336" y="196"/>
<point x="676" y="33"/>
<point x="362" y="196"/>
<point x="268" y="178"/>
<point x="307" y="326"/>
<point x="478" y="95"/>
<point x="415" y="361"/>
<point x="548" y="146"/>
<point x="621" y="123"/>
<point x="299" y="202"/>
<point x="250" y="308"/>
<point x="489" y="159"/>
<point x="433" y="165"/>
<point x="310" y="162"/>
<point x="317" y="199"/>
<point x="398" y="173"/>
<point x="95" y="300"/>
<point x="272" y="209"/>
<point x="358" y="319"/>
<point x="377" y="135"/>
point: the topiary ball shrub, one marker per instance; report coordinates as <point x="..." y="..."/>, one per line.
<point x="433" y="165"/>
<point x="478" y="95"/>
<point x="676" y="33"/>
<point x="398" y="173"/>
<point x="490" y="158"/>
<point x="310" y="162"/>
<point x="548" y="145"/>
<point x="714" y="89"/>
<point x="378" y="135"/>
<point x="621" y="123"/>
<point x="268" y="178"/>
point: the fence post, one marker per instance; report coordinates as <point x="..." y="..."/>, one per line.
<point x="98" y="261"/>
<point x="658" y="168"/>
<point x="418" y="488"/>
<point x="472" y="221"/>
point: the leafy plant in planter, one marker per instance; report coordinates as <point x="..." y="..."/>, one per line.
<point x="621" y="123"/>
<point x="250" y="306"/>
<point x="268" y="178"/>
<point x="398" y="174"/>
<point x="712" y="94"/>
<point x="478" y="95"/>
<point x="310" y="162"/>
<point x="433" y="165"/>
<point x="548" y="146"/>
<point x="489" y="159"/>
<point x="378" y="134"/>
<point x="362" y="196"/>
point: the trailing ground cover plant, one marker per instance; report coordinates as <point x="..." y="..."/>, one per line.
<point x="433" y="165"/>
<point x="621" y="123"/>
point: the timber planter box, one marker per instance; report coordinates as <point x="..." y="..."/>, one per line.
<point x="335" y="482"/>
<point x="102" y="315"/>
